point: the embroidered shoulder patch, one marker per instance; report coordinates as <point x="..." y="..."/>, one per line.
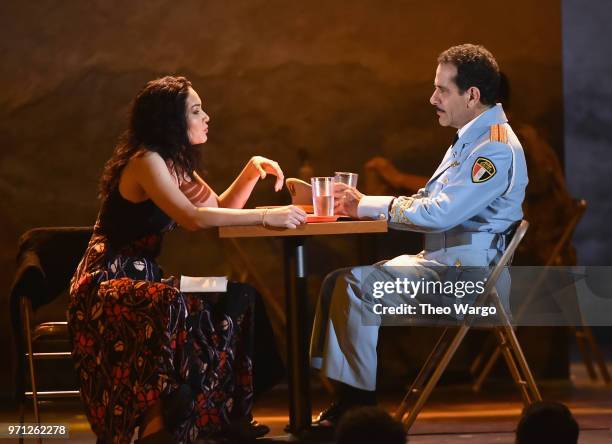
<point x="498" y="133"/>
<point x="483" y="170"/>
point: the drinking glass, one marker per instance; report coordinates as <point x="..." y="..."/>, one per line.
<point x="349" y="179"/>
<point x="323" y="195"/>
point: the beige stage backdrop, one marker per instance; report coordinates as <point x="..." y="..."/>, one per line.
<point x="344" y="80"/>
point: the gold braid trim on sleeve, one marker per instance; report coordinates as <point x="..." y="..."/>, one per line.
<point x="398" y="210"/>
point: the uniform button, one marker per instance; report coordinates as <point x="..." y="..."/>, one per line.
<point x="382" y="216"/>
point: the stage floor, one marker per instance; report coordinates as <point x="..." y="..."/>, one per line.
<point x="453" y="415"/>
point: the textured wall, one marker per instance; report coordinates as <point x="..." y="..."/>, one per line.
<point x="344" y="79"/>
<point x="587" y="73"/>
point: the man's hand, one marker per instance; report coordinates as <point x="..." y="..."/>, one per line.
<point x="346" y="200"/>
<point x="262" y="166"/>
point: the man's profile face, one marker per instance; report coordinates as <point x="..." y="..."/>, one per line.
<point x="451" y="106"/>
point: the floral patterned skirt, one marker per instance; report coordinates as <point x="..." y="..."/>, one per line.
<point x="135" y="340"/>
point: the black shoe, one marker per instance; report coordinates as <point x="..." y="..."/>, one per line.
<point x="332" y="414"/>
<point x="246" y="430"/>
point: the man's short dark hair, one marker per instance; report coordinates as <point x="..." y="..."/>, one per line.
<point x="477" y="67"/>
<point x="547" y="422"/>
<point x="363" y="425"/>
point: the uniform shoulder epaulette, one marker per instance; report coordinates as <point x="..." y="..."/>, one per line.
<point x="498" y="133"/>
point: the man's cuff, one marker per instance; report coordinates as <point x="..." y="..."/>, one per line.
<point x="374" y="207"/>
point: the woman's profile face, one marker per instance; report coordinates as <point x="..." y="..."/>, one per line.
<point x="197" y="119"/>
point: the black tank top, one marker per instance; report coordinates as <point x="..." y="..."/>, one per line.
<point x="123" y="222"/>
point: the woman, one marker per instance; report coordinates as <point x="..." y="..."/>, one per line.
<point x="177" y="366"/>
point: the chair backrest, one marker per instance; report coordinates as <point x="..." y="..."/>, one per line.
<point x="49" y="256"/>
<point x="46" y="260"/>
<point x="506" y="258"/>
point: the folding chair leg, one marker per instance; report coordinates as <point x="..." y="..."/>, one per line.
<point x="599" y="360"/>
<point x="586" y="344"/>
<point x="27" y="309"/>
<point x="486" y="369"/>
<point x="438" y="360"/>
<point x="418" y="382"/>
<point x="513" y="368"/>
<point x="515" y="347"/>
<point x="513" y="353"/>
<point x="479" y="361"/>
<point x="585" y="352"/>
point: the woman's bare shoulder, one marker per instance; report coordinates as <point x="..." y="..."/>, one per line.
<point x="146" y="159"/>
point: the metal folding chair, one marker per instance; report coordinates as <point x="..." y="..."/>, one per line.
<point x="481" y="366"/>
<point x="46" y="260"/>
<point x="451" y="339"/>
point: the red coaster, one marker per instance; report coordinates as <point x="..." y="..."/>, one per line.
<point x="311" y="218"/>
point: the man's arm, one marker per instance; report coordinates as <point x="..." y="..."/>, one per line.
<point x="464" y="196"/>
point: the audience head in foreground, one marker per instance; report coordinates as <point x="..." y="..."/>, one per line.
<point x="547" y="422"/>
<point x="369" y="425"/>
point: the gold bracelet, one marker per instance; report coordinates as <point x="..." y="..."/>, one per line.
<point x="263" y="217"/>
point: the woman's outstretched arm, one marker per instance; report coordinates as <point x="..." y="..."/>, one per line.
<point x="240" y="190"/>
<point x="151" y="174"/>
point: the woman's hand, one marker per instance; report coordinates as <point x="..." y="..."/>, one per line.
<point x="286" y="217"/>
<point x="262" y="166"/>
<point x="239" y="191"/>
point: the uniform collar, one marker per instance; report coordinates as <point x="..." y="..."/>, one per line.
<point x="476" y="127"/>
<point x="465" y="127"/>
<point x="473" y="130"/>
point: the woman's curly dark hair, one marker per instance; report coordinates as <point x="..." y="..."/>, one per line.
<point x="157" y="123"/>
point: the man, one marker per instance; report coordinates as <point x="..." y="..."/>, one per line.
<point x="466" y="208"/>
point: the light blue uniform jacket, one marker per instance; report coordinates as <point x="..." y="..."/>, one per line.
<point x="453" y="201"/>
<point x="473" y="197"/>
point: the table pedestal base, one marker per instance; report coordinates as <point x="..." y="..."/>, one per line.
<point x="300" y="413"/>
